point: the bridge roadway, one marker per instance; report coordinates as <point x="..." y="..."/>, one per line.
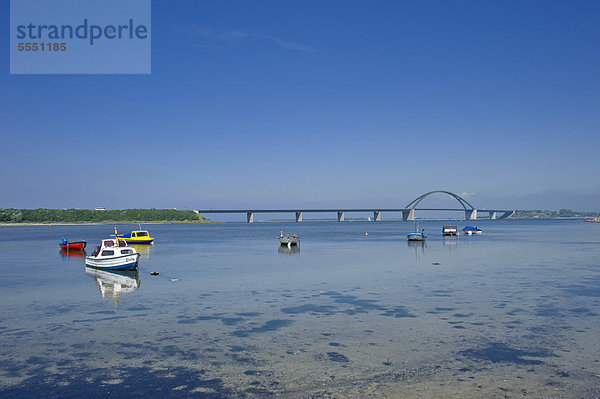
<point x="407" y="213"/>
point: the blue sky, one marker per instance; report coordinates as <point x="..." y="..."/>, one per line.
<point x="320" y="103"/>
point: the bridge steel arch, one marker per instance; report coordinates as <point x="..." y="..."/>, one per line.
<point x="470" y="211"/>
<point x="413" y="204"/>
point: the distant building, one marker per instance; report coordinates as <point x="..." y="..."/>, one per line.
<point x="100" y="209"/>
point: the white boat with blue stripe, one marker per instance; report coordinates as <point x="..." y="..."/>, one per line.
<point x="417" y="236"/>
<point x="113" y="254"/>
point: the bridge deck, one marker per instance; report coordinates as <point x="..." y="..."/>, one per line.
<point x="320" y="210"/>
<point x="306" y="210"/>
<point x="408" y="213"/>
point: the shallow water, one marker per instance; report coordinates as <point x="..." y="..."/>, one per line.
<point x="511" y="313"/>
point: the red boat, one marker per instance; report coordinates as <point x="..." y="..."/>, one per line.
<point x="72" y="246"/>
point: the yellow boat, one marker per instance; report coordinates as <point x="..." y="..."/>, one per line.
<point x="138" y="237"/>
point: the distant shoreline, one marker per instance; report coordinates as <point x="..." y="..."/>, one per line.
<point x="45" y="216"/>
<point x="103" y="223"/>
<point x="549" y="218"/>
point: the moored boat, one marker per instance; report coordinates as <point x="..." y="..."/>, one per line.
<point x="113" y="254"/>
<point x="289" y="239"/>
<point x="472" y="230"/>
<point x="72" y="245"/>
<point x="449" y="230"/>
<point x="137" y="237"/>
<point x="417" y="236"/>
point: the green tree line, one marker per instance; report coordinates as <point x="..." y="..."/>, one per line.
<point x="43" y="215"/>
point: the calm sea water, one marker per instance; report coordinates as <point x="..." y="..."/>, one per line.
<point x="511" y="313"/>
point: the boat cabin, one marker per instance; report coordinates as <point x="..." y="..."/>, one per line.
<point x="139" y="233"/>
<point x="111" y="243"/>
<point x="111" y="252"/>
<point x="111" y="248"/>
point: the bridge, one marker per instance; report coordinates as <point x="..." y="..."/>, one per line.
<point x="408" y="212"/>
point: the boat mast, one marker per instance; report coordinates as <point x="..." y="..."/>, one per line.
<point x="116" y="236"/>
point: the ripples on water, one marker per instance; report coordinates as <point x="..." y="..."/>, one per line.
<point x="513" y="312"/>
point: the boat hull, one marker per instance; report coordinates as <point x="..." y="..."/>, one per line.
<point x="128" y="262"/>
<point x="138" y="241"/>
<point x="74" y="246"/>
<point x="416" y="237"/>
<point x="289" y="240"/>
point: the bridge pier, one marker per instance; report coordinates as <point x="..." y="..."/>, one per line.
<point x="377" y="216"/>
<point x="298" y="217"/>
<point x="471" y="214"/>
<point x="507" y="214"/>
<point x="250" y="217"/>
<point x="493" y="215"/>
<point x="340" y="216"/>
<point x="408" y="215"/>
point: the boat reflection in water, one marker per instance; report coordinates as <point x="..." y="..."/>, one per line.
<point x="143" y="250"/>
<point x="419" y="247"/>
<point x="450" y="241"/>
<point x="112" y="283"/>
<point x="66" y="254"/>
<point x="417" y="244"/>
<point x="289" y="250"/>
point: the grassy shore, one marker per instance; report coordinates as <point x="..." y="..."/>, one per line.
<point x="546" y="214"/>
<point x="44" y="216"/>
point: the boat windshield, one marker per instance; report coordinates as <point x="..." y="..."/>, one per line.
<point x="142" y="234"/>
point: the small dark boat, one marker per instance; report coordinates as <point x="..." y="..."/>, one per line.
<point x="72" y="245"/>
<point x="449" y="230"/>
